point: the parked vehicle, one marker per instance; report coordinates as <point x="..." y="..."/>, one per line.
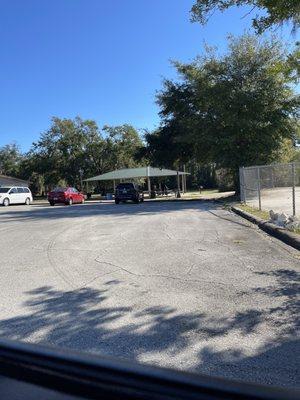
<point x="15" y="195"/>
<point x="65" y="195"/>
<point x="128" y="191"/>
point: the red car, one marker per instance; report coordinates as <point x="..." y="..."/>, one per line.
<point x="66" y="196"/>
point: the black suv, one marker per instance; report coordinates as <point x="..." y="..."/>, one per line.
<point x="128" y="191"/>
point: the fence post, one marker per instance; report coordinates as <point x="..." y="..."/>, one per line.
<point x="258" y="188"/>
<point x="293" y="189"/>
<point x="242" y="184"/>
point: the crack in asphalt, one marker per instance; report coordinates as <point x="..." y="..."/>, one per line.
<point x="53" y="264"/>
<point x="162" y="275"/>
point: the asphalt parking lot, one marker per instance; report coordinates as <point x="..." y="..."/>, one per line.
<point x="185" y="285"/>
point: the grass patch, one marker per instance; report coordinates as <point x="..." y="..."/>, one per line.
<point x="254" y="211"/>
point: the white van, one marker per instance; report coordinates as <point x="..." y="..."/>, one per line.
<point x="15" y="195"/>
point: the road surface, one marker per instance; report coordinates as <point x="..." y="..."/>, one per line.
<point x="184" y="285"/>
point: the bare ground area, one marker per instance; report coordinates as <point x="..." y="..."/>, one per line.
<point x="278" y="199"/>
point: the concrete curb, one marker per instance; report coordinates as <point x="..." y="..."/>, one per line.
<point x="282" y="234"/>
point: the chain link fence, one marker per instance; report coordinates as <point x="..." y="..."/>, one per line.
<point x="272" y="187"/>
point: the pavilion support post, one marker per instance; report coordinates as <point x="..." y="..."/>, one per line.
<point x="149" y="181"/>
<point x="114" y="185"/>
<point x="149" y="185"/>
<point x="178" y="186"/>
<point x="185" y="189"/>
<point x="182" y="183"/>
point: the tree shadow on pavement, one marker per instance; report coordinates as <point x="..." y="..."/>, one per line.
<point x="79" y="319"/>
<point x="277" y="359"/>
<point x="286" y="316"/>
<point x="73" y="319"/>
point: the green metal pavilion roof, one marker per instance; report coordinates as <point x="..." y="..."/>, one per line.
<point x="128" y="173"/>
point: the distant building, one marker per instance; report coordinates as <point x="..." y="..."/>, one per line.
<point x="297" y="143"/>
<point x="11" y="181"/>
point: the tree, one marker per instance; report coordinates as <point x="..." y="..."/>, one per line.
<point x="65" y="149"/>
<point x="70" y="146"/>
<point x="277" y="11"/>
<point x="10" y="158"/>
<point x="234" y="110"/>
<point x="124" y="142"/>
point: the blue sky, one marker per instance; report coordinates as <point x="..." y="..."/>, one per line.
<point x="100" y="59"/>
